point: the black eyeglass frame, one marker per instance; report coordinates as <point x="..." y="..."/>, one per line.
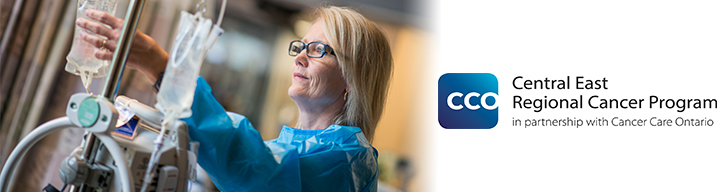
<point x="326" y="49"/>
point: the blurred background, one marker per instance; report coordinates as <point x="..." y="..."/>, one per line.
<point x="248" y="69"/>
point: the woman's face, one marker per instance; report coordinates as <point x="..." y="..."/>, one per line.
<point x="316" y="81"/>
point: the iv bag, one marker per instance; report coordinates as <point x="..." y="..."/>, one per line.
<point x="81" y="58"/>
<point x="194" y="37"/>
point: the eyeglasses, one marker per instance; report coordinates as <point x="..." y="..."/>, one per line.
<point x="314" y="49"/>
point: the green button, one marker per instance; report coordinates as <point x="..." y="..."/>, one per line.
<point x="88" y="112"/>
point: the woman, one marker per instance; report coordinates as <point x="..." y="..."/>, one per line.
<point x="340" y="75"/>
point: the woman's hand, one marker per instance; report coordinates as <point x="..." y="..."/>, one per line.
<point x="146" y="55"/>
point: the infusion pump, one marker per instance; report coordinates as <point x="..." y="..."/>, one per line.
<point x="126" y="130"/>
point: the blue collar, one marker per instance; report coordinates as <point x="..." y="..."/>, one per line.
<point x="333" y="133"/>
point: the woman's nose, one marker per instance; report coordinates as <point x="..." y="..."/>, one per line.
<point x="301" y="58"/>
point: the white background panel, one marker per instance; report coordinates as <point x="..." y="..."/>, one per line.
<point x="671" y="49"/>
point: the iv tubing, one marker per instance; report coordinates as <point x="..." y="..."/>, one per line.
<point x="158" y="144"/>
<point x="221" y="13"/>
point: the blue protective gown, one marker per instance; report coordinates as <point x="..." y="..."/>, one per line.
<point x="337" y="158"/>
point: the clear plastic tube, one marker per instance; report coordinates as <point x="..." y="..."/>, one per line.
<point x="155" y="153"/>
<point x="81" y="58"/>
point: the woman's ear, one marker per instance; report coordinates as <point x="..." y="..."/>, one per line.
<point x="347" y="87"/>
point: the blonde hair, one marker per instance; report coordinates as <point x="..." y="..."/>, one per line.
<point x="366" y="60"/>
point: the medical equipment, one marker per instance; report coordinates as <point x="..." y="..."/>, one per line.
<point x="194" y="37"/>
<point x="81" y="58"/>
<point x="129" y="146"/>
<point x="141" y="144"/>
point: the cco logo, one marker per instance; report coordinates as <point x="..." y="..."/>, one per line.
<point x="468" y="101"/>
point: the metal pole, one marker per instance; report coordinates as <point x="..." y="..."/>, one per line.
<point x="118" y="63"/>
<point x="120" y="56"/>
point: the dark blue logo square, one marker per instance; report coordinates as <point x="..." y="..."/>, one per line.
<point x="468" y="101"/>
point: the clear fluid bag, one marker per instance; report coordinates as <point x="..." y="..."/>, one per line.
<point x="194" y="37"/>
<point x="81" y="58"/>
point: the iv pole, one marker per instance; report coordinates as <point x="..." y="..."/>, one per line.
<point x="117" y="65"/>
<point x="93" y="142"/>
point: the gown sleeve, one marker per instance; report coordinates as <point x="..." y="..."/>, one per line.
<point x="233" y="153"/>
<point x="237" y="159"/>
